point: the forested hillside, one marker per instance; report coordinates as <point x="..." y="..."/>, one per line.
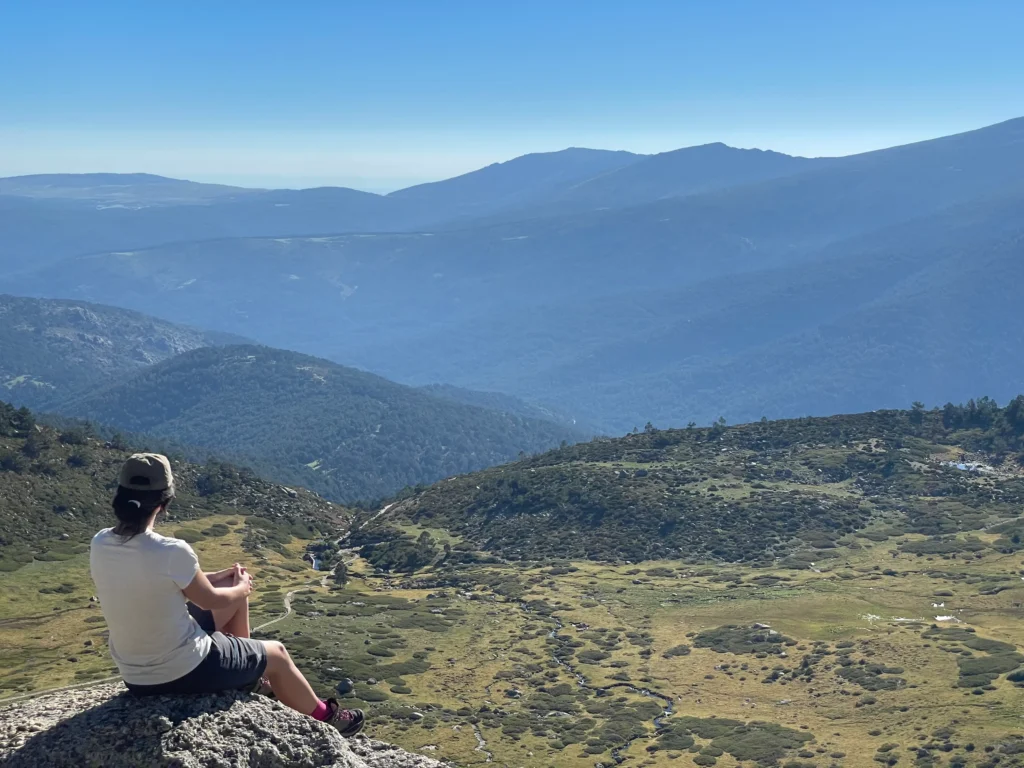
<point x="299" y="419"/>
<point x="763" y="492"/>
<point x="56" y="487"/>
<point x="53" y="349"/>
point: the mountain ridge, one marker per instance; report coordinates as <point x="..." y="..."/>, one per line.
<point x="52" y="348"/>
<point x="550" y="309"/>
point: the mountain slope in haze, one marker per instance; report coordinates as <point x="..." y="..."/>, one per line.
<point x="40" y="231"/>
<point x="129" y="190"/>
<point x="497" y="401"/>
<point x="51" y="349"/>
<point x="343" y="432"/>
<point x="515" y="184"/>
<point x="46" y="217"/>
<point x="786" y="493"/>
<point x="662" y="312"/>
<point x="924" y="310"/>
<point x="687" y="171"/>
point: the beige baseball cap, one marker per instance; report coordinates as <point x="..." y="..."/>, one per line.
<point x="147" y="472"/>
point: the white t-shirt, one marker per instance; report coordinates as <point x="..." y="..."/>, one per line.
<point x="153" y="639"/>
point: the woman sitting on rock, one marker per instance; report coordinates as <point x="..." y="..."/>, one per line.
<point x="175" y="629"/>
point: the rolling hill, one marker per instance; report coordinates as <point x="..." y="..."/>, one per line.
<point x="777" y="636"/>
<point x="760" y="493"/>
<point x="299" y="419"/>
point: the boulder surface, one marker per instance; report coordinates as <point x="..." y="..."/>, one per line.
<point x="106" y="726"/>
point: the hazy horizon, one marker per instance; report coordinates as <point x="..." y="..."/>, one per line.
<point x="382" y="97"/>
<point x="384" y="185"/>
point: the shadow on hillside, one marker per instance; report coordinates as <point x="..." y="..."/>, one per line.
<point x="122" y="731"/>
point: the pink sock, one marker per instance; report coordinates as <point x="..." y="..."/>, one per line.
<point x="321" y="712"/>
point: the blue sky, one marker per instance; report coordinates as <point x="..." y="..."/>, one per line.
<point x="381" y="94"/>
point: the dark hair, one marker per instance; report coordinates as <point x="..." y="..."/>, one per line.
<point x="134" y="508"/>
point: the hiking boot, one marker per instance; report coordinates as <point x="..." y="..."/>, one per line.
<point x="348" y="722"/>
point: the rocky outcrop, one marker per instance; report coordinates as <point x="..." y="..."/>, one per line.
<point x="105" y="726"/>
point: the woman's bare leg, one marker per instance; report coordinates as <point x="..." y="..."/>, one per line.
<point x="233" y="620"/>
<point x="290" y="687"/>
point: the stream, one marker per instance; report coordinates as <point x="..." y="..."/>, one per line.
<point x="659" y="721"/>
<point x="481" y="745"/>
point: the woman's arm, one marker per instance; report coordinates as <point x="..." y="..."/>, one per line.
<point x="209" y="597"/>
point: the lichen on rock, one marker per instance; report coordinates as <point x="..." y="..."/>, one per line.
<point x="104" y="726"/>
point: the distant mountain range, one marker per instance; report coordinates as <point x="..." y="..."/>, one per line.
<point x="46" y="217"/>
<point x="616" y="288"/>
<point x="297" y="419"/>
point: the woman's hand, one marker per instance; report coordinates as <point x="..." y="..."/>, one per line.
<point x="241" y="577"/>
<point x="225" y="577"/>
<point x="244" y="580"/>
<point x="237" y="573"/>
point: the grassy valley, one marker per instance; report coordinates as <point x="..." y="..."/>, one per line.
<point x="873" y="619"/>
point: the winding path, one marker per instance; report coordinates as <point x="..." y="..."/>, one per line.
<point x="366" y="522"/>
<point x="283" y="616"/>
<point x="326" y="574"/>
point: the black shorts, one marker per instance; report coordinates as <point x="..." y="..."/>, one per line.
<point x="233" y="663"/>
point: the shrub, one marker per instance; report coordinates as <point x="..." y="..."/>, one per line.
<point x="740" y="640"/>
<point x="677" y="650"/>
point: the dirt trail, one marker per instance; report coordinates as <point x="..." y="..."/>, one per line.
<point x="283" y="616"/>
<point x="366" y="522"/>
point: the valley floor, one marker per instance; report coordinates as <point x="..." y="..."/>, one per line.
<point x="857" y="660"/>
